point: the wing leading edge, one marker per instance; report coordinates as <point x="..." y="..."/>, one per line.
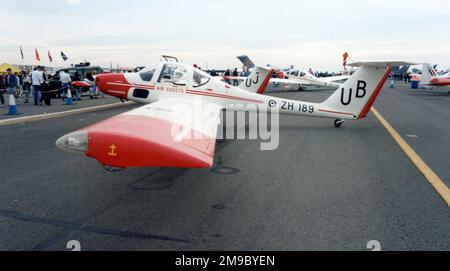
<point x="168" y="133"/>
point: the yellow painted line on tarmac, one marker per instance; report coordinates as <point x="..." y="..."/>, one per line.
<point x="61" y="114"/>
<point x="429" y="174"/>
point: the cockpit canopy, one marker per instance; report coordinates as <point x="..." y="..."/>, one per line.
<point x="147" y="73"/>
<point x="201" y="78"/>
<point x="177" y="74"/>
<point x="297" y="73"/>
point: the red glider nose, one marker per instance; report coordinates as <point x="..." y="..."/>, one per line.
<point x="281" y="75"/>
<point x="114" y="84"/>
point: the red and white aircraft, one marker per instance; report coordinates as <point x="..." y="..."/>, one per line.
<point x="302" y="79"/>
<point x="430" y="78"/>
<point x="177" y="126"/>
<point x="309" y="81"/>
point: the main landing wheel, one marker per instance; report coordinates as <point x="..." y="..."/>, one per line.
<point x="113" y="169"/>
<point x="338" y="123"/>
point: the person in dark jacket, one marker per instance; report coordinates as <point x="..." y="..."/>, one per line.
<point x="77" y="77"/>
<point x="2" y="86"/>
<point x="12" y="82"/>
<point x="45" y="93"/>
<point x="235" y="81"/>
<point x="226" y="76"/>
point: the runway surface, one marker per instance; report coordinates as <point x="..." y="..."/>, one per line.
<point x="322" y="189"/>
<point x="58" y="105"/>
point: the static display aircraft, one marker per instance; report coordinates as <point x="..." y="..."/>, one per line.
<point x="430" y="78"/>
<point x="178" y="125"/>
<point x="301" y="79"/>
<point x="307" y="81"/>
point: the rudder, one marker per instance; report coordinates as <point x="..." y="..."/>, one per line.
<point x="258" y="80"/>
<point x="358" y="94"/>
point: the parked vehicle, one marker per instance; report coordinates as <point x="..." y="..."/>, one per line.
<point x="76" y="73"/>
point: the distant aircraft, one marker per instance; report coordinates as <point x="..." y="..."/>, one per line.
<point x="430" y="78"/>
<point x="177" y="126"/>
<point x="303" y="79"/>
<point x="307" y="79"/>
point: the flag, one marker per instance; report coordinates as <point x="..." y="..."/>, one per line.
<point x="64" y="57"/>
<point x="38" y="57"/>
<point x="345" y="60"/>
<point x="50" y="56"/>
<point x="21" y="51"/>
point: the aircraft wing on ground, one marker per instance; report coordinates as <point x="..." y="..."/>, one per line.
<point x="290" y="81"/>
<point x="174" y="132"/>
<point x="335" y="79"/>
<point x="272" y="80"/>
<point x="239" y="78"/>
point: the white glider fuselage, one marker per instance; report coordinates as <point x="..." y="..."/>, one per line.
<point x="134" y="87"/>
<point x="177" y="126"/>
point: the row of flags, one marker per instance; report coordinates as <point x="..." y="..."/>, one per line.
<point x="38" y="56"/>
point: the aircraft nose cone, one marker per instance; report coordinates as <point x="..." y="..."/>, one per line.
<point x="101" y="82"/>
<point x="114" y="84"/>
<point x="76" y="142"/>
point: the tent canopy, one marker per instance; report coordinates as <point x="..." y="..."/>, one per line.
<point x="5" y="66"/>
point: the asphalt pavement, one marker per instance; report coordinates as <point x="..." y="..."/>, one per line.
<point x="322" y="189"/>
<point x="29" y="109"/>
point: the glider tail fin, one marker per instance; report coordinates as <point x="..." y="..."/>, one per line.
<point x="258" y="80"/>
<point x="427" y="74"/>
<point x="246" y="61"/>
<point x="357" y="95"/>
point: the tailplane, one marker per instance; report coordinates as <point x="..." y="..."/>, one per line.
<point x="358" y="94"/>
<point x="246" y="61"/>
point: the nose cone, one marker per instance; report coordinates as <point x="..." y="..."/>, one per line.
<point x="76" y="142"/>
<point x="114" y="84"/>
<point x="281" y="75"/>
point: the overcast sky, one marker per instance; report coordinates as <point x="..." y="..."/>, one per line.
<point x="211" y="33"/>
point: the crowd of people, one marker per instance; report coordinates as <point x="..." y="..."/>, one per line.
<point x="402" y="77"/>
<point x="41" y="87"/>
<point x="324" y="74"/>
<point x="231" y="76"/>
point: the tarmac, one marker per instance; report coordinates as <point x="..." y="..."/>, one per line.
<point x="322" y="189"/>
<point x="29" y="109"/>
